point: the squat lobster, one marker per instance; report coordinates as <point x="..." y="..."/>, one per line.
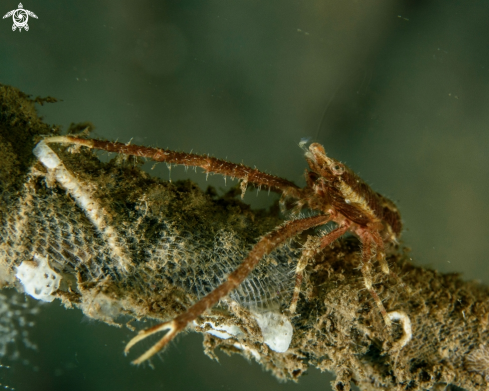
<point x="333" y="190"/>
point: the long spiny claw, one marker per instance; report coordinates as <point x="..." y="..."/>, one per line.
<point x="267" y="244"/>
<point x="209" y="164"/>
<point x="143" y="334"/>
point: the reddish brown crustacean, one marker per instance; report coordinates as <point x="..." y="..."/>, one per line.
<point x="333" y="191"/>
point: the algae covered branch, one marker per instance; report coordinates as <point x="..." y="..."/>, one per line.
<point x="150" y="248"/>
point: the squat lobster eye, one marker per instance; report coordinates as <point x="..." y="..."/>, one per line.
<point x="337" y="169"/>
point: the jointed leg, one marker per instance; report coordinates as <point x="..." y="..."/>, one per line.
<point x="209" y="164"/>
<point x="312" y="246"/>
<point x="380" y="252"/>
<point x="383" y="262"/>
<point x="268" y="243"/>
<point x="367" y="243"/>
<point x="310" y="249"/>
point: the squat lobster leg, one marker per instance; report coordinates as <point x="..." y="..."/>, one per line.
<point x="383" y="262"/>
<point x="367" y="242"/>
<point x="312" y="246"/>
<point x="268" y="243"/>
<point x="208" y="163"/>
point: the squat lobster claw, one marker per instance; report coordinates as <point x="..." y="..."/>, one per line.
<point x="333" y="190"/>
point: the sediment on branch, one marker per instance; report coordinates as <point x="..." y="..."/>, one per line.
<point x="181" y="242"/>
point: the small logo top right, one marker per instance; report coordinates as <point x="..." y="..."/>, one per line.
<point x="20" y="16"/>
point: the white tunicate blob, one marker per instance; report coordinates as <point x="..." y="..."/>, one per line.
<point x="38" y="279"/>
<point x="276" y="329"/>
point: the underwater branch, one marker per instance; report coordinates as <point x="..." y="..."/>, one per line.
<point x="153" y="248"/>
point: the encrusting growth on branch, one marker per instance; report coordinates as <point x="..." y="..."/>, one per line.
<point x="264" y="246"/>
<point x="182" y="243"/>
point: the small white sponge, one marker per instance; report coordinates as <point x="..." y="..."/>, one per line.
<point x="276" y="329"/>
<point x="38" y="279"/>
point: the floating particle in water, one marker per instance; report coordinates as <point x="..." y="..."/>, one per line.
<point x="5" y="386"/>
<point x="15" y="319"/>
<point x="16" y="315"/>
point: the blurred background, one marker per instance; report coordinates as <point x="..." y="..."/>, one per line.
<point x="399" y="90"/>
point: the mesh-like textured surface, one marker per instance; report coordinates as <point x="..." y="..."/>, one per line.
<point x="182" y="242"/>
<point x="45" y="221"/>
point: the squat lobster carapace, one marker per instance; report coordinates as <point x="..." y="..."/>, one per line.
<point x="333" y="191"/>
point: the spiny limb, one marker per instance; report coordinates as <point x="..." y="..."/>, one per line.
<point x="383" y="262"/>
<point x="146" y="333"/>
<point x="209" y="164"/>
<point x="312" y="246"/>
<point x="333" y="236"/>
<point x="366" y="258"/>
<point x="310" y="249"/>
<point x="380" y="252"/>
<point x="266" y="245"/>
